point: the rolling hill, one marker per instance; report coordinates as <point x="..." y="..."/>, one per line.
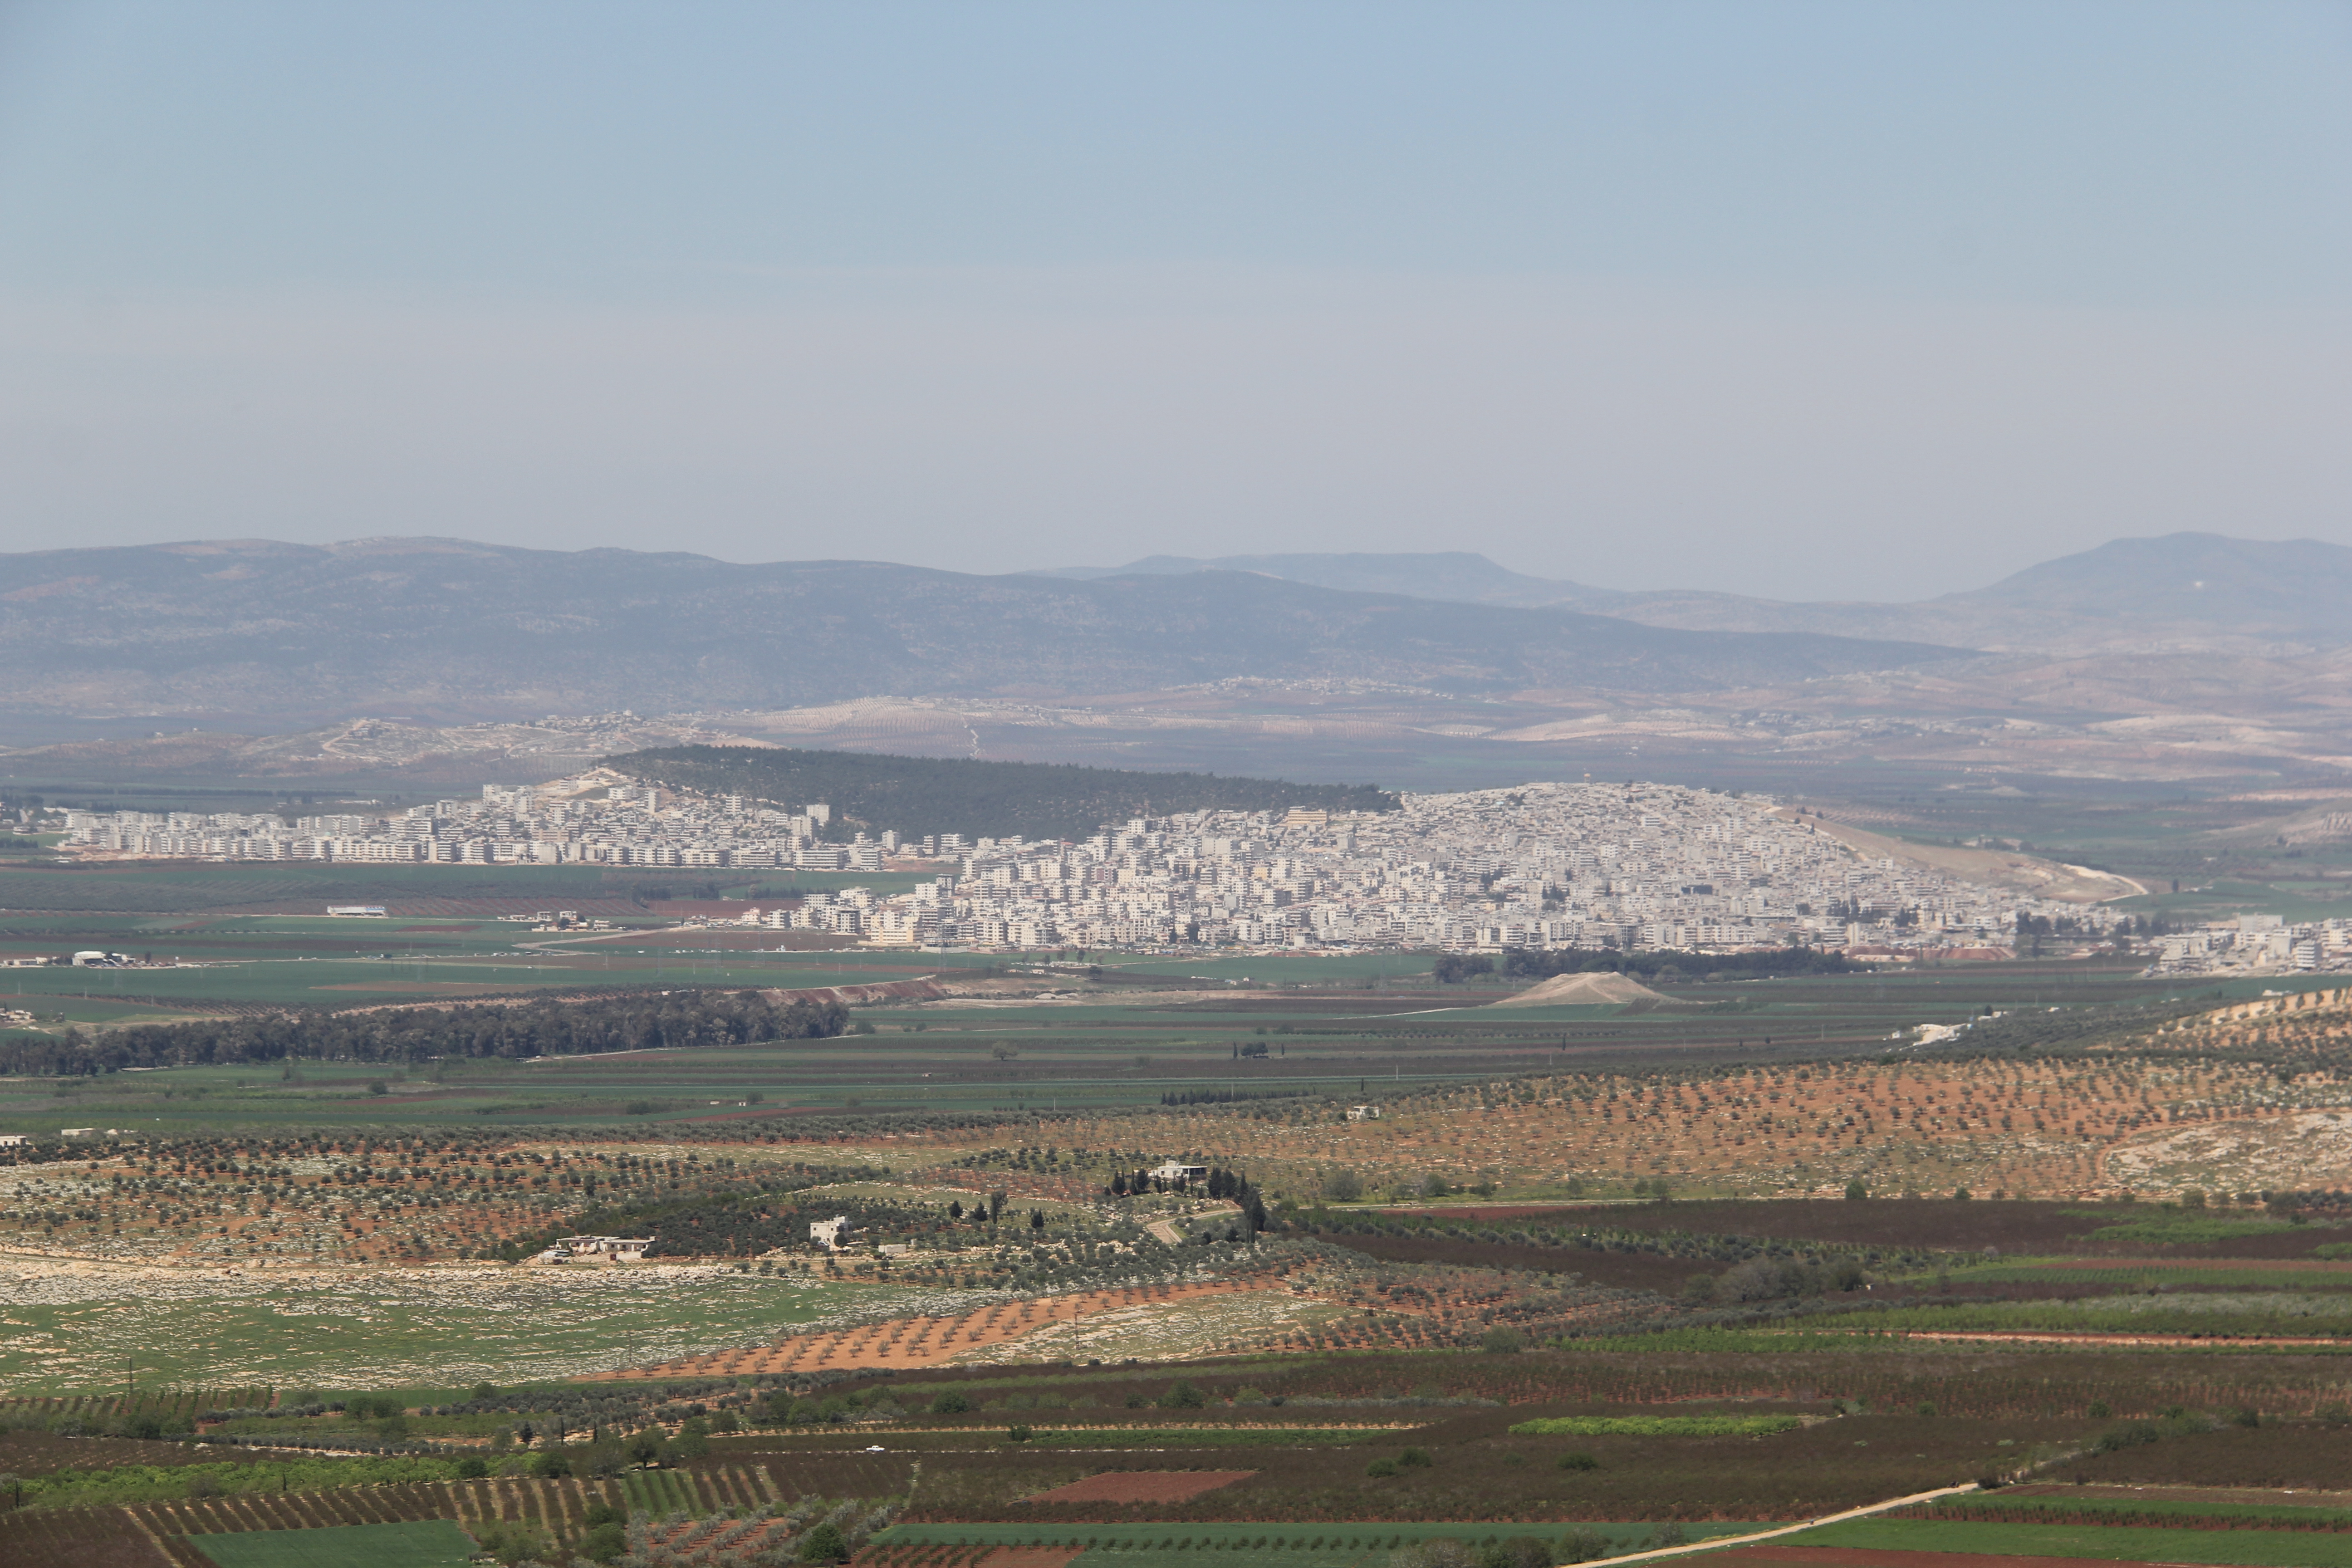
<point x="955" y="795"/>
<point x="2183" y="592"/>
<point x="262" y="635"/>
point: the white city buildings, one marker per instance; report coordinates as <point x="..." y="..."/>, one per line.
<point x="1546" y="865"/>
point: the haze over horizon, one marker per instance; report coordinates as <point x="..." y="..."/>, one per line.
<point x="1820" y="301"/>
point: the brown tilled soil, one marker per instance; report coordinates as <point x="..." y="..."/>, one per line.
<point x="926" y="1342"/>
<point x="2267" y="1497"/>
<point x="33" y="1452"/>
<point x="2013" y="1226"/>
<point x="1621" y="1270"/>
<point x="1857" y="1557"/>
<point x="1143" y="1486"/>
<point x="2297" y="1455"/>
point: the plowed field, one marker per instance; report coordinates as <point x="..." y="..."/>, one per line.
<point x="932" y="1342"/>
<point x="1143" y="1486"/>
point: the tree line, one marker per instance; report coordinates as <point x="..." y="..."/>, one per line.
<point x="511" y="1031"/>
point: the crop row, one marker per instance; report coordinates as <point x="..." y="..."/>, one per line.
<point x="76" y="1538"/>
<point x="160" y="1405"/>
<point x="2128" y="1386"/>
<point x="147" y="1535"/>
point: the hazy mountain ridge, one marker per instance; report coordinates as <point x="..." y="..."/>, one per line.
<point x="2183" y="591"/>
<point x="454" y="629"/>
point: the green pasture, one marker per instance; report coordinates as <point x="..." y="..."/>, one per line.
<point x="1280" y="969"/>
<point x="1326" y="1034"/>
<point x="2253" y="1314"/>
<point x="2167" y="1228"/>
<point x="2118" y="1543"/>
<point x="368" y="1330"/>
<point x="2251" y="1275"/>
<point x="415" y="1544"/>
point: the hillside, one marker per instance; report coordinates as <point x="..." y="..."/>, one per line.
<point x="2190" y="590"/>
<point x="251" y="635"/>
<point x="1459" y="574"/>
<point x="936" y="794"/>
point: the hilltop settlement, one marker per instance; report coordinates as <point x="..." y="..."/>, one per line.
<point x="1546" y="866"/>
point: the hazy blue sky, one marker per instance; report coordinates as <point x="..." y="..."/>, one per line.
<point x="1803" y="299"/>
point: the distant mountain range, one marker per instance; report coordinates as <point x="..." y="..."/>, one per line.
<point x="262" y="636"/>
<point x="2184" y="591"/>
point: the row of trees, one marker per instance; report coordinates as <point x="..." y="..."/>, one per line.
<point x="511" y="1031"/>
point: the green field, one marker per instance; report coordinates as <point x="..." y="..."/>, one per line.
<point x="1140" y="1029"/>
<point x="403" y="1326"/>
<point x="420" y="1543"/>
<point x="2119" y="1543"/>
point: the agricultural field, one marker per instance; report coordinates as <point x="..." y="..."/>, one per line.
<point x="1557" y="1282"/>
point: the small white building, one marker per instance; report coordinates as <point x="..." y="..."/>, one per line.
<point x="619" y="1248"/>
<point x="1363" y="1113"/>
<point x="834" y="1234"/>
<point x="1176" y="1171"/>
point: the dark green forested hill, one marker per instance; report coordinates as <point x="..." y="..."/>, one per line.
<point x="953" y="795"/>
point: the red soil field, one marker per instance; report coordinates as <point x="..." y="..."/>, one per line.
<point x="927" y="1341"/>
<point x="1143" y="1486"/>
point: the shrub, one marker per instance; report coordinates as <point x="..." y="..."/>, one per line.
<point x="604" y="1542"/>
<point x="1503" y="1342"/>
<point x="512" y="1541"/>
<point x="1415" y="1459"/>
<point x="951" y="1404"/>
<point x="2114" y="1439"/>
<point x="1018" y="1432"/>
<point x="1380" y="1470"/>
<point x="824" y="1544"/>
<point x="1584" y="1544"/>
<point x="549" y="1465"/>
<point x="1578" y="1461"/>
<point x="1184" y="1396"/>
<point x="472" y="1469"/>
<point x="1519" y="1552"/>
